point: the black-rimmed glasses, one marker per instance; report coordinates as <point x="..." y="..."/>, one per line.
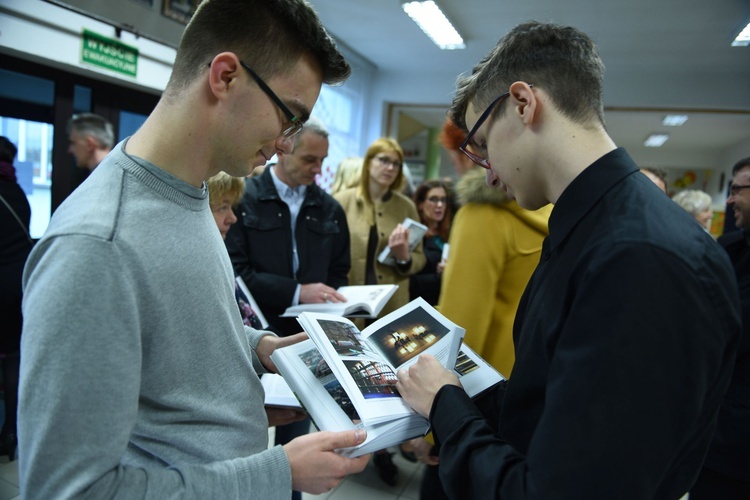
<point x="296" y="122"/>
<point x="735" y="190"/>
<point x="478" y="159"/>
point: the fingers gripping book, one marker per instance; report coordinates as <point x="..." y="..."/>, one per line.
<point x="346" y="379"/>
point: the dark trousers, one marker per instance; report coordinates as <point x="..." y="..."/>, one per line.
<point x="285" y="433"/>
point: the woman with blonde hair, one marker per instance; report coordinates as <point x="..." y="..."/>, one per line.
<point x="374" y="212"/>
<point x="347" y="175"/>
<point x="224" y="192"/>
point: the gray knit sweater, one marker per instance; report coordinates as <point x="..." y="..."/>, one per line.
<point x="137" y="375"/>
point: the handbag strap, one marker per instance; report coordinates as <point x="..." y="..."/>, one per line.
<point x="18" y="219"/>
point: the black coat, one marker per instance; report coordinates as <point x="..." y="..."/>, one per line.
<point x="14" y="249"/>
<point x="260" y="246"/>
<point x="730" y="451"/>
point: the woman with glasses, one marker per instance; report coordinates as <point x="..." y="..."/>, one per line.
<point x="375" y="210"/>
<point x="434" y="200"/>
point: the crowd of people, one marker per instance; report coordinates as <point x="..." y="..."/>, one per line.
<point x="615" y="317"/>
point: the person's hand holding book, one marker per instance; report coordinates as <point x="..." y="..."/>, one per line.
<point x="269" y="343"/>
<point x="420" y="384"/>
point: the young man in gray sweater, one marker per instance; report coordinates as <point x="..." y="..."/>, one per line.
<point x="138" y="379"/>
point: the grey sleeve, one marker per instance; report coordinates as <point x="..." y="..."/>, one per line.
<point x="79" y="390"/>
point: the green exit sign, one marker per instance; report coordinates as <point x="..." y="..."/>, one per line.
<point x="109" y="54"/>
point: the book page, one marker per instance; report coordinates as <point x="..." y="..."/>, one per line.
<point x="278" y="394"/>
<point x="361" y="301"/>
<point x="474" y="373"/>
<point x="365" y="376"/>
<point x="366" y="362"/>
<point x="330" y="407"/>
<point x="249" y="310"/>
<point x="414" y="329"/>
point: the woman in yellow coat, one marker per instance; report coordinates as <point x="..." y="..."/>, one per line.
<point x="494" y="248"/>
<point x="375" y="210"/>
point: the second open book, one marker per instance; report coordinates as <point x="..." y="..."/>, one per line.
<point x="346" y="379"/>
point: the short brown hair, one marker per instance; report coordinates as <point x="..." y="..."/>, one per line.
<point x="561" y="60"/>
<point x="269" y="35"/>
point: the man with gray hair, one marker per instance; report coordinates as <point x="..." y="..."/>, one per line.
<point x="291" y="242"/>
<point x="91" y="138"/>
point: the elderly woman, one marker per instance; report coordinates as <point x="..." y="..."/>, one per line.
<point x="224" y="192"/>
<point x="698" y="204"/>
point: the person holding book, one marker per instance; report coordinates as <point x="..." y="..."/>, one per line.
<point x="626" y="334"/>
<point x="138" y="378"/>
<point x="374" y="211"/>
<point x="434" y="201"/>
<point x="495" y="246"/>
<point x="291" y="243"/>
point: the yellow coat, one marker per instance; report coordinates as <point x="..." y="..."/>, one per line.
<point x="495" y="246"/>
<point x="389" y="213"/>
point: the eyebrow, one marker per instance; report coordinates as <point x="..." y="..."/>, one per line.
<point x="299" y="109"/>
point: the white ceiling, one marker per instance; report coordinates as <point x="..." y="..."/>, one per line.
<point x="659" y="55"/>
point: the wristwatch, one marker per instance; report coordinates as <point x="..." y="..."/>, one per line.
<point x="403" y="262"/>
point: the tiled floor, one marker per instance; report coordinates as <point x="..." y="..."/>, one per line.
<point x="367" y="485"/>
<point x="8" y="479"/>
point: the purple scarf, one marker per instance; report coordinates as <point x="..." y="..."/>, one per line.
<point x="7" y="171"/>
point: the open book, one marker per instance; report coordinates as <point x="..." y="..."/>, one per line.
<point x="416" y="232"/>
<point x="346" y="379"/>
<point x="278" y="392"/>
<point x="362" y="301"/>
<point x="249" y="310"/>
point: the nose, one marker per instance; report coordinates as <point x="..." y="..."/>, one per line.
<point x="231" y="218"/>
<point x="491" y="178"/>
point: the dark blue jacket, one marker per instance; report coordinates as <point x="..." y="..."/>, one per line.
<point x="260" y="246"/>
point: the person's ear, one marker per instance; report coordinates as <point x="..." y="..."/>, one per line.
<point x="91" y="143"/>
<point x="223" y="73"/>
<point x="524" y="101"/>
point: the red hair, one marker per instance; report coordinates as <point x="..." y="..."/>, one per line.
<point x="451" y="137"/>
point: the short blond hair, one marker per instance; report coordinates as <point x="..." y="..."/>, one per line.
<point x="348" y="174"/>
<point x="223" y="184"/>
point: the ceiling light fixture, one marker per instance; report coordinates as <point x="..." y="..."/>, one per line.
<point x="743" y="39"/>
<point x="433" y="22"/>
<point x="656" y="140"/>
<point x="674" y="120"/>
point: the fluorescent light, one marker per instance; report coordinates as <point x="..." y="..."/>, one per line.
<point x="656" y="140"/>
<point x="674" y="120"/>
<point x="433" y="22"/>
<point x="743" y="39"/>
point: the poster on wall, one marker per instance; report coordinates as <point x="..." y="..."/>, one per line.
<point x="180" y="10"/>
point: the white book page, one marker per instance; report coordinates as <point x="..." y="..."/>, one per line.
<point x="414" y="329"/>
<point x="277" y="392"/>
<point x="368" y="380"/>
<point x="474" y="373"/>
<point x="361" y="301"/>
<point x="366" y="362"/>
